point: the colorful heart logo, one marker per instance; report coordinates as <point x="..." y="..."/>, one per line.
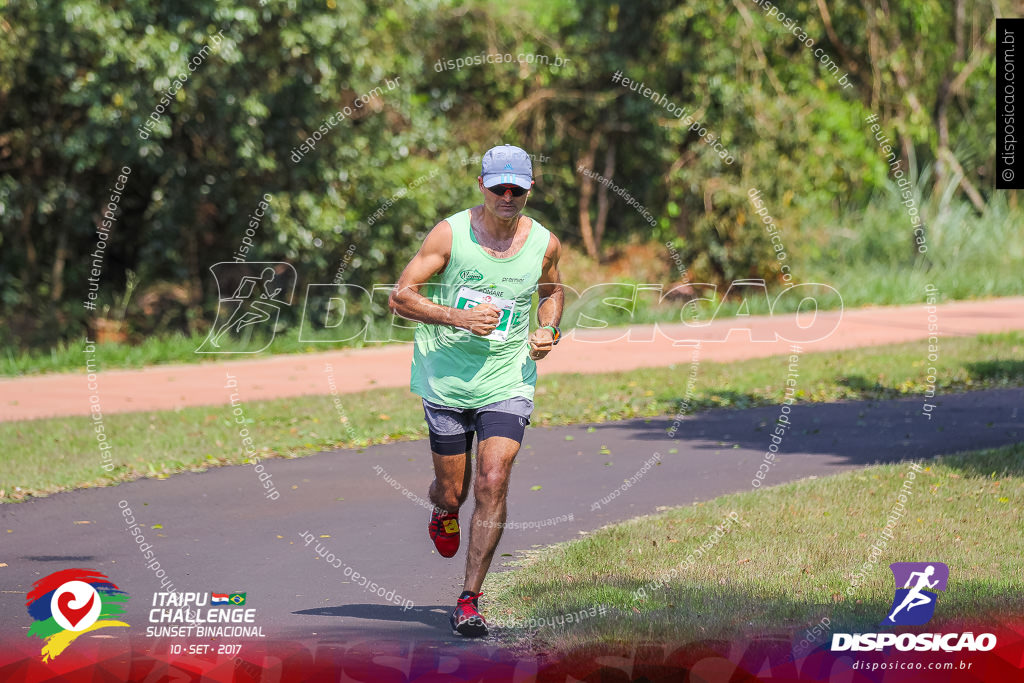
<point x="70" y="603"/>
<point x="70" y="613"/>
<point x="66" y="614"/>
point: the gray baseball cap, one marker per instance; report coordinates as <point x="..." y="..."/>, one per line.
<point x="507" y="164"/>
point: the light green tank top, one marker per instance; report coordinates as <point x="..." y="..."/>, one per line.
<point x="454" y="367"/>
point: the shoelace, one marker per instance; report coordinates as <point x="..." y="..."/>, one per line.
<point x="470" y="599"/>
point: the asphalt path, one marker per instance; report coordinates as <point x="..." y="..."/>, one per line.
<point x="219" y="533"/>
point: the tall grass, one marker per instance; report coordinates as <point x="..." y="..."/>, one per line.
<point x="870" y="255"/>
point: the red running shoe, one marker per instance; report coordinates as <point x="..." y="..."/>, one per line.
<point x="444" y="531"/>
<point x="465" y="620"/>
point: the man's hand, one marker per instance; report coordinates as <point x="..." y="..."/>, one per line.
<point x="541" y="343"/>
<point x="481" y="319"/>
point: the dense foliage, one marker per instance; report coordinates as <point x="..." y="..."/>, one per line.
<point x="89" y="87"/>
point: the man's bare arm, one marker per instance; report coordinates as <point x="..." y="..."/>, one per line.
<point x="549" y="310"/>
<point x="549" y="290"/>
<point x="432" y="258"/>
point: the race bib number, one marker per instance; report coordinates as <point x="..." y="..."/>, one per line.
<point x="468" y="298"/>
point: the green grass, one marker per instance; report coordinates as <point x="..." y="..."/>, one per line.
<point x="786" y="564"/>
<point x="175" y="348"/>
<point x="49" y="455"/>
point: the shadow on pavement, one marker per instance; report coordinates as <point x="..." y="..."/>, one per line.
<point x="862" y="432"/>
<point x="429" y="615"/>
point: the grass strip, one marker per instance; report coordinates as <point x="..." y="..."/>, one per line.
<point x="49" y="455"/>
<point x="785" y="566"/>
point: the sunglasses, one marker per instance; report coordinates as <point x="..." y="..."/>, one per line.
<point x="500" y="190"/>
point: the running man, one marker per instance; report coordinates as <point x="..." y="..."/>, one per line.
<point x="474" y="361"/>
<point x="915" y="597"/>
<point x="250" y="311"/>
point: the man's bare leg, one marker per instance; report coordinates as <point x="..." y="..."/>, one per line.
<point x="494" y="459"/>
<point x="450" y="487"/>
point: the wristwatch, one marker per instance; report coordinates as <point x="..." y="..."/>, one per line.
<point x="555" y="333"/>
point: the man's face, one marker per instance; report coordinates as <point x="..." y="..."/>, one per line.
<point x="503" y="205"/>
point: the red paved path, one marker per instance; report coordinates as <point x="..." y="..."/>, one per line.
<point x="167" y="387"/>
